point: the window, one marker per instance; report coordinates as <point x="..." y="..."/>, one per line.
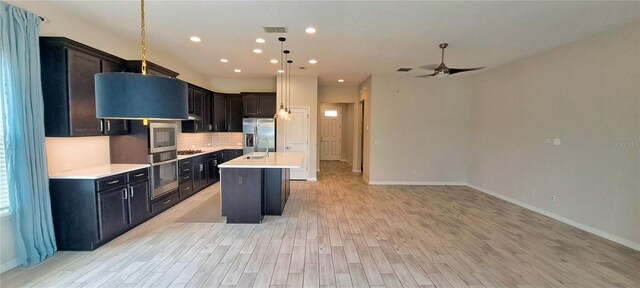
<point x="4" y="188"/>
<point x="330" y="113"/>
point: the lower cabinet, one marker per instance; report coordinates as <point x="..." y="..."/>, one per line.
<point x="88" y="213"/>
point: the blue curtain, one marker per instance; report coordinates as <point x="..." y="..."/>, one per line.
<point x="23" y="120"/>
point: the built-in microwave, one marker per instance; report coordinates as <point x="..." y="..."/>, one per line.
<point x="162" y="137"/>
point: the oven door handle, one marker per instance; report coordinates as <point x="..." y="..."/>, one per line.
<point x="164" y="162"/>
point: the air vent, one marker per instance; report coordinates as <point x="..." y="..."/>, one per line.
<point x="275" y="29"/>
<point x="404" y="69"/>
<point x="302" y="68"/>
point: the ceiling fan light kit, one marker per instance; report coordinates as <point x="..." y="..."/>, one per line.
<point x="442" y="71"/>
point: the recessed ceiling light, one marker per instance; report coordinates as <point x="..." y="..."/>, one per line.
<point x="280" y="71"/>
<point x="223" y="60"/>
<point x="340" y="80"/>
<point x="237" y="70"/>
<point x="195" y="39"/>
<point x="257" y="51"/>
<point x="313" y="61"/>
<point x="260" y="40"/>
<point x="310" y="30"/>
<point x="274" y="61"/>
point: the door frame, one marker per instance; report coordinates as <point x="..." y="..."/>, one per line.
<point x="306" y="156"/>
<point x="321" y="116"/>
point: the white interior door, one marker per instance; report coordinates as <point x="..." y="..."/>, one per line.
<point x="297" y="140"/>
<point x="331" y="133"/>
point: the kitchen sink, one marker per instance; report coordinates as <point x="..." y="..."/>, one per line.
<point x="255" y="155"/>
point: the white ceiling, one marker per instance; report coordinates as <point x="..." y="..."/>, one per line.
<point x="354" y="39"/>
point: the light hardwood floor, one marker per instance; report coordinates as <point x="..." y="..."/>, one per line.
<point x="340" y="232"/>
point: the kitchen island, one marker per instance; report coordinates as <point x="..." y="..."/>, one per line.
<point x="256" y="184"/>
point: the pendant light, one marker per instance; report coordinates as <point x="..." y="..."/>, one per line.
<point x="281" y="112"/>
<point x="286" y="85"/>
<point x="289" y="115"/>
<point x="139" y="95"/>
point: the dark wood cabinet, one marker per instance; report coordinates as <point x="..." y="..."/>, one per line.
<point x="219" y="112"/>
<point x="138" y="202"/>
<point x="199" y="172"/>
<point x="232" y="154"/>
<point x="68" y="69"/>
<point x="113" y="212"/>
<point x="213" y="159"/>
<point x="200" y="108"/>
<point x="88" y="213"/>
<point x="135" y="66"/>
<point x="234" y="113"/>
<point x="258" y="104"/>
<point x="242" y="198"/>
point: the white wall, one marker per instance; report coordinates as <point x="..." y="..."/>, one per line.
<point x="587" y="95"/>
<point x="419" y="129"/>
<point x="338" y="94"/>
<point x="232" y="85"/>
<point x="304" y="91"/>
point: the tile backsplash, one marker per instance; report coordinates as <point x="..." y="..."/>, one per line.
<point x="201" y="140"/>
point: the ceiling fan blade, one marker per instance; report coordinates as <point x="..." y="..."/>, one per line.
<point x="458" y="70"/>
<point x="429" y="67"/>
<point x="428" y="75"/>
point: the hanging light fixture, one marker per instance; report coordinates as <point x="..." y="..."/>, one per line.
<point x="286" y="84"/>
<point x="139" y="95"/>
<point x="281" y="112"/>
<point x="289" y="115"/>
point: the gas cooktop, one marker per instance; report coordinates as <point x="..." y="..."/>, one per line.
<point x="189" y="152"/>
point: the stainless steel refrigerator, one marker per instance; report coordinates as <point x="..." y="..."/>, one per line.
<point x="259" y="134"/>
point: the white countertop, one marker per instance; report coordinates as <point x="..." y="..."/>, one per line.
<point x="208" y="150"/>
<point x="275" y="160"/>
<point x="97" y="171"/>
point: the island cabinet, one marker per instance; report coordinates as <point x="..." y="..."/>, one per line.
<point x="256" y="104"/>
<point x="242" y="200"/>
<point x="88" y="213"/>
<point x="67" y="70"/>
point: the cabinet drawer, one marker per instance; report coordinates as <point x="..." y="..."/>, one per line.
<point x="110" y="182"/>
<point x="185" y="178"/>
<point x="165" y="203"/>
<point x="186" y="189"/>
<point x="185" y="167"/>
<point x="138" y="175"/>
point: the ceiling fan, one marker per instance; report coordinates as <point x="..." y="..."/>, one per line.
<point x="442" y="70"/>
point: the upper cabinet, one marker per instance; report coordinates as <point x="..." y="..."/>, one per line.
<point x="234" y="113"/>
<point x="67" y="71"/>
<point x="199" y="109"/>
<point x="258" y="104"/>
<point x="135" y="66"/>
<point x="219" y="112"/>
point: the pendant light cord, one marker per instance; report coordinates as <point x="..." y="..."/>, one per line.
<point x="281" y="69"/>
<point x="143" y="36"/>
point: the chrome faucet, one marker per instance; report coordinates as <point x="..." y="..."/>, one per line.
<point x="267" y="147"/>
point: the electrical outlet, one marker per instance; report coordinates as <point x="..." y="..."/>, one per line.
<point x="553" y="198"/>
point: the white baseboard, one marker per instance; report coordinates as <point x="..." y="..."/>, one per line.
<point x="357" y="171"/>
<point x="312" y="179"/>
<point x="417" y="183"/>
<point x="8" y="265"/>
<point x="603" y="234"/>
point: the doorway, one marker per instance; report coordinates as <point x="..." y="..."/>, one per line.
<point x="331" y="133"/>
<point x="297" y="140"/>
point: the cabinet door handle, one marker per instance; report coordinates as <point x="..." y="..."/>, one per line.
<point x="188" y="188"/>
<point x="209" y="126"/>
<point x="186" y="170"/>
<point x="139" y="175"/>
<point x="186" y="177"/>
<point x="167" y="201"/>
<point x="131" y="191"/>
<point x="101" y="125"/>
<point x="108" y="126"/>
<point x="125" y="193"/>
<point x="239" y="180"/>
<point x="113" y="182"/>
<point x="196" y="124"/>
<point x="201" y="167"/>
